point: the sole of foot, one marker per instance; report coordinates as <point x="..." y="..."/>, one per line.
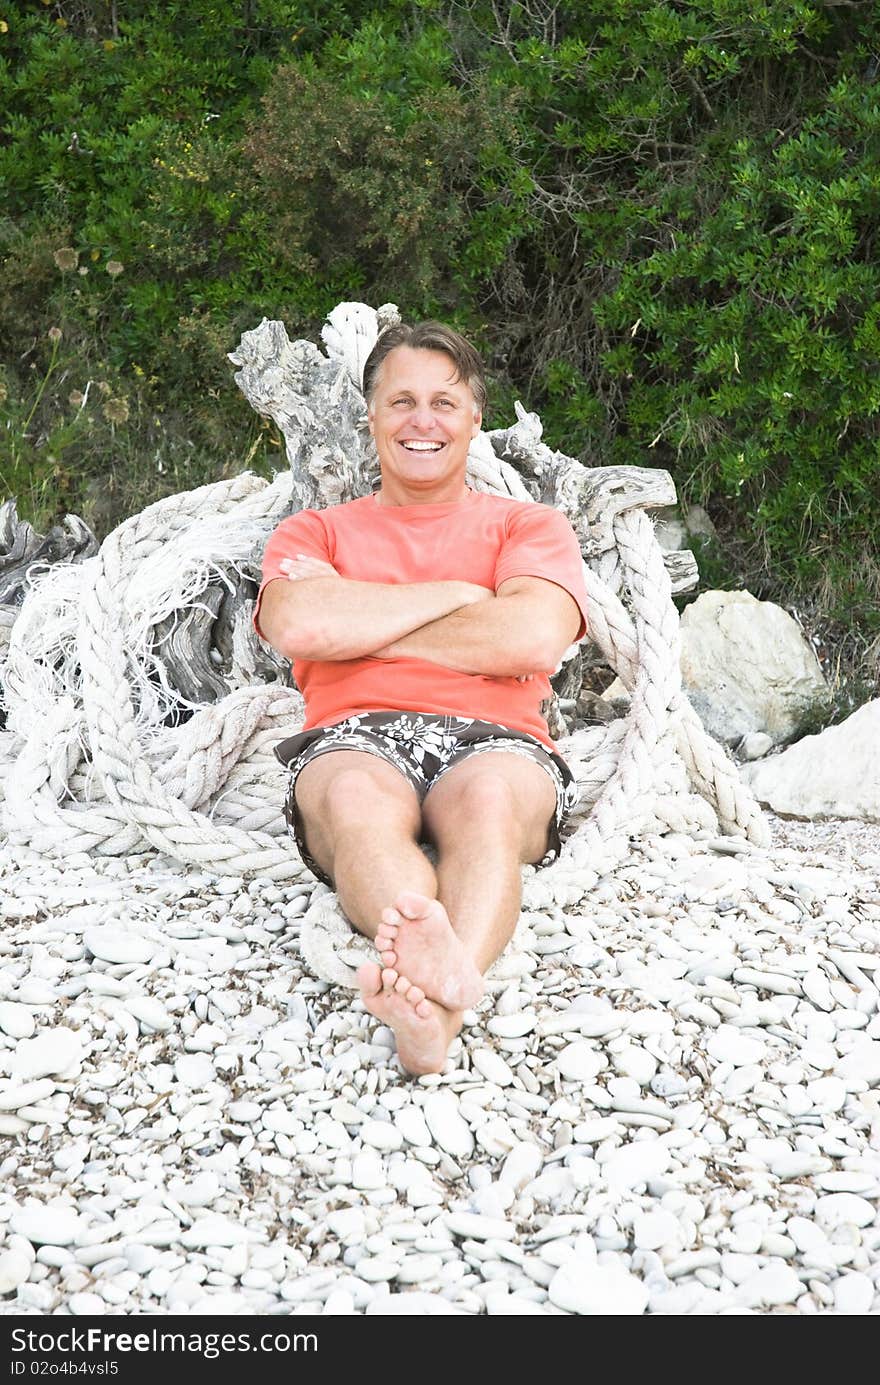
<point x="416" y="938"/>
<point x="423" y="1030"/>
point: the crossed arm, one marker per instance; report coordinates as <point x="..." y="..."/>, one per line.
<point x="521" y="630"/>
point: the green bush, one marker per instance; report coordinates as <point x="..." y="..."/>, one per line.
<point x="657" y="220"/>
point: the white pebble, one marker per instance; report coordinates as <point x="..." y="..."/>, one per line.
<point x="447" y="1126"/>
<point x="15" y="1267"/>
<point x="579" y="1061"/>
<point x="16" y="1020"/>
<point x="597" y="1291"/>
<point x="381" y="1135"/>
<point x="49" y="1224"/>
<point x="853" y="1293"/>
<point x="115" y="945"/>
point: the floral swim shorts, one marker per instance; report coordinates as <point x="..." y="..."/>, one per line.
<point x="423" y="747"/>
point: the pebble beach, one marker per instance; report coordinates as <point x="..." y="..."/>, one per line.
<point x="674" y="1110"/>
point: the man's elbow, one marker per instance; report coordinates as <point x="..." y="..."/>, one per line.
<point x="294" y="639"/>
<point x="543" y="654"/>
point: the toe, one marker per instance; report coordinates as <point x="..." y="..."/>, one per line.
<point x="416" y="995"/>
<point x="414" y="906"/>
<point x="423" y="1009"/>
<point x="369" y="978"/>
<point x="389" y="977"/>
<point x="390" y="917"/>
<point x="388" y="958"/>
<point x="402" y="985"/>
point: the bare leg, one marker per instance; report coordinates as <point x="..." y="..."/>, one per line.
<point x="362" y="822"/>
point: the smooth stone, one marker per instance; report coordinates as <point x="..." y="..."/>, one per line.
<point x="514" y="1026"/>
<point x="16" y="1020"/>
<point x="86" y="1305"/>
<point x="597" y="1290"/>
<point x="579" y="1061"/>
<point x="635" y="1062"/>
<point x="842" y="1209"/>
<point x="377" y="1269"/>
<point x="847" y="1181"/>
<point x="47" y="1225"/>
<point x="492" y="1066"/>
<point x="26" y="1094"/>
<point x="338" y="1304"/>
<point x="770" y="1287"/>
<point x="348" y="1224"/>
<point x="117" y="945"/>
<point x="244" y="1112"/>
<point x="652" y="1230"/>
<point x="472" y="1226"/>
<point x="447" y="1125"/>
<point x="200" y="1192"/>
<point x="381" y="1135"/>
<point x="147" y="1010"/>
<point x="214" y="1231"/>
<point x="861" y="1063"/>
<point x="730" y="1045"/>
<point x="805" y="1233"/>
<point x="52" y="1051"/>
<point x="15" y="1267"/>
<point x="853" y="1293"/>
<point x="195" y="1071"/>
<point x="368" y="1171"/>
<point x="412" y="1126"/>
<point x="522" y="1164"/>
<point x="33" y="990"/>
<point x="636" y="1163"/>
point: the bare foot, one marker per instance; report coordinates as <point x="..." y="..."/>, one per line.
<point x="423" y="1029"/>
<point x="417" y="939"/>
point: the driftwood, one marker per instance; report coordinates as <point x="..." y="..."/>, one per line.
<point x="22" y="548"/>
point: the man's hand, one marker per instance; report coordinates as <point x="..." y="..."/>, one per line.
<point x="302" y="566"/>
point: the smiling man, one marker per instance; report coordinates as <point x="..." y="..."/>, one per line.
<point x="423" y="622"/>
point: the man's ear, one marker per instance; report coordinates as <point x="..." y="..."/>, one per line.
<point x="478" y="419"/>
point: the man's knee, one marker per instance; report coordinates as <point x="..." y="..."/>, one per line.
<point x="509" y="804"/>
<point x="483" y="799"/>
<point x="355" y="796"/>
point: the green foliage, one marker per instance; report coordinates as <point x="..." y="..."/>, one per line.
<point x="658" y="220"/>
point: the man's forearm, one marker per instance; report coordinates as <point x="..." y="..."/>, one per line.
<point x="333" y="618"/>
<point x="496" y="638"/>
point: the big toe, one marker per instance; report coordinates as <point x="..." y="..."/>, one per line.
<point x="369" y="978"/>
<point x="415" y="906"/>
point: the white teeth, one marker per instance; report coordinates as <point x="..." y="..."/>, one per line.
<point x="422" y="446"/>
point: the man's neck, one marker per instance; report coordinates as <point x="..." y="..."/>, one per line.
<point x="452" y="496"/>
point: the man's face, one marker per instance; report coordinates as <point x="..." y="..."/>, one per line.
<point x="422" y="419"/>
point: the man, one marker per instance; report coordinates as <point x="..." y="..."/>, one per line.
<point x="423" y="621"/>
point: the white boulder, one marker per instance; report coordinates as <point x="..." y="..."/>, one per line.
<point x="747" y="667"/>
<point x="835" y="774"/>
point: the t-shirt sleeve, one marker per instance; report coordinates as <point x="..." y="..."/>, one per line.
<point x="541" y="543"/>
<point x="304" y="532"/>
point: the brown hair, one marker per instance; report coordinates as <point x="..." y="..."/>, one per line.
<point x="429" y="336"/>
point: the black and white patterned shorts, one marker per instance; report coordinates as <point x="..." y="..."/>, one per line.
<point x="423" y="747"/>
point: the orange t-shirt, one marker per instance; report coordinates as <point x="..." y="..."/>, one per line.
<point x="484" y="539"/>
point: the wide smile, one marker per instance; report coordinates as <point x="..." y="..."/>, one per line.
<point x="422" y="447"/>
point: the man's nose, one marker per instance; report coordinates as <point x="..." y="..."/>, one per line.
<point x="423" y="416"/>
